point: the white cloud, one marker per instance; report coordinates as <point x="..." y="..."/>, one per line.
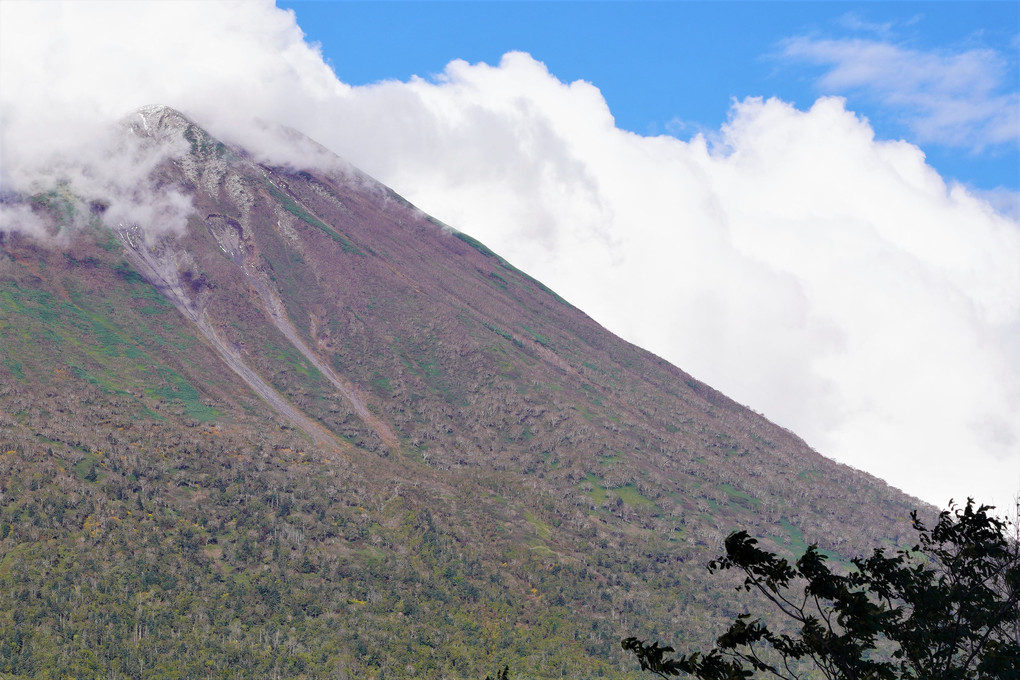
<point x="20" y="217"/>
<point x="959" y="99"/>
<point x="831" y="280"/>
<point x="69" y="68"/>
<point x="855" y="21"/>
<point x="828" y="279"/>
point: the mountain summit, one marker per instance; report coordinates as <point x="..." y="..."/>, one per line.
<point x="318" y="433"/>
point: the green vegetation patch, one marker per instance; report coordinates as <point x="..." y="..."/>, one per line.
<point x="294" y="208"/>
<point x="499" y="281"/>
<point x="381" y="384"/>
<point x="177" y="388"/>
<point x="476" y="244"/>
<point x="610" y="459"/>
<point x="36" y="305"/>
<point x="543" y="530"/>
<point x="295" y="359"/>
<point x="86" y="468"/>
<point x="798" y="545"/>
<point x="81" y="374"/>
<point x="92" y="337"/>
<point x="544" y="551"/>
<point x="418" y="358"/>
<point x="60" y="202"/>
<point x="537" y="337"/>
<point x="632" y="497"/>
<point x="105" y="238"/>
<point x="740" y="497"/>
<point x="125" y="272"/>
<point x="598" y="493"/>
<point x="506" y="335"/>
<point x="796" y="536"/>
<point x="152" y="297"/>
<point x="150" y="310"/>
<point x="14" y="368"/>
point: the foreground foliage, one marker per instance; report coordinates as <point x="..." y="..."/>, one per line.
<point x="946" y="608"/>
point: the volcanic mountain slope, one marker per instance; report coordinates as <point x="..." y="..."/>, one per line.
<point x="321" y="434"/>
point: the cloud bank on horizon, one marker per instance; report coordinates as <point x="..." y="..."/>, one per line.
<point x="829" y="279"/>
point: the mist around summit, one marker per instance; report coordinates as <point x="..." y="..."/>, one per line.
<point x="831" y="280"/>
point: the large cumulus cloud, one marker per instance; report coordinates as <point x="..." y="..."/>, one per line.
<point x="833" y="281"/>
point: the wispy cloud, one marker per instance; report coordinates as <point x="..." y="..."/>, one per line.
<point x="854" y="21"/>
<point x="961" y="99"/>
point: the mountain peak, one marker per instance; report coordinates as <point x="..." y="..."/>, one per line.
<point x="158" y="121"/>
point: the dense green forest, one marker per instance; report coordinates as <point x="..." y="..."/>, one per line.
<point x="130" y="563"/>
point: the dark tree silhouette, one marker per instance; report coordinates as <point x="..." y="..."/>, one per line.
<point x="946" y="608"/>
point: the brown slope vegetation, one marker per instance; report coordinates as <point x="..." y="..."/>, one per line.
<point x="324" y="418"/>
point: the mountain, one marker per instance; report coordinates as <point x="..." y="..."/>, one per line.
<point x="320" y="434"/>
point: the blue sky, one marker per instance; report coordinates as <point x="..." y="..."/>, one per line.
<point x="675" y="67"/>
